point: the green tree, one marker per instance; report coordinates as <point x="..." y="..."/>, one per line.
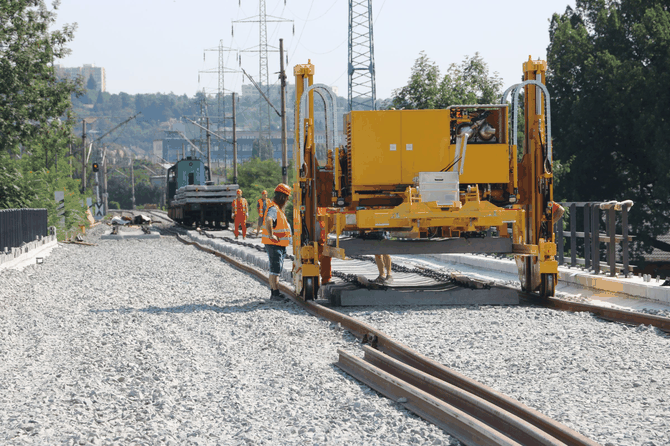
<point x="31" y="97"/>
<point x="466" y="83"/>
<point x="255" y="175"/>
<point x="609" y="71"/>
<point x="91" y="84"/>
<point x="470" y="83"/>
<point x="35" y="118"/>
<point x="262" y="149"/>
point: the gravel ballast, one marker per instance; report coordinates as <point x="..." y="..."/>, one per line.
<point x="607" y="381"/>
<point x="155" y="342"/>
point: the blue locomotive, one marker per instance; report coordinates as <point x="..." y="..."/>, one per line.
<point x="193" y="199"/>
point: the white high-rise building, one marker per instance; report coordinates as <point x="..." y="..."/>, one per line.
<point x="85" y="73"/>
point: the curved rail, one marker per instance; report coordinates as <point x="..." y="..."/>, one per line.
<point x="401" y="352"/>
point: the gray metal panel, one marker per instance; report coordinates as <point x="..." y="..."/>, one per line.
<point x="341" y="294"/>
<point x="357" y="246"/>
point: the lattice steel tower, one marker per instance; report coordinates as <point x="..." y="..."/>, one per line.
<point x="220" y="120"/>
<point x="362" y="90"/>
<point x="263" y="71"/>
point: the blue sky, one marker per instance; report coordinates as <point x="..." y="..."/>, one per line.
<point x="150" y="46"/>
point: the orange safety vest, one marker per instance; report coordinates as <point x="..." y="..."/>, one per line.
<point x="282" y="230"/>
<point x="240" y="206"/>
<point x="261" y="214"/>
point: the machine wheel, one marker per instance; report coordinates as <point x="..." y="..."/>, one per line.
<point x="308" y="288"/>
<point x="547" y="286"/>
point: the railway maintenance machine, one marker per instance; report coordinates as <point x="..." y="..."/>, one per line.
<point x="428" y="181"/>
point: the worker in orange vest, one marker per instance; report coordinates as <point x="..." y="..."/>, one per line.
<point x="276" y="236"/>
<point x="240" y="214"/>
<point x="262" y="207"/>
<point x="325" y="264"/>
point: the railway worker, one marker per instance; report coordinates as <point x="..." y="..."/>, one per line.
<point x="325" y="261"/>
<point x="276" y="236"/>
<point x="262" y="207"/>
<point x="240" y="214"/>
<point x="383" y="262"/>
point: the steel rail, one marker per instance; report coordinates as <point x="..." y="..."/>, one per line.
<point x="512" y="426"/>
<point x="456" y="422"/>
<point x="401" y="352"/>
<point x="610" y="314"/>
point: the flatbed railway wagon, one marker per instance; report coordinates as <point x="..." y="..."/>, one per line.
<point x="192" y="198"/>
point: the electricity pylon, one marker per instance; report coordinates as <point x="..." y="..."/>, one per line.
<point x="362" y="89"/>
<point x="221" y="93"/>
<point x="263" y="72"/>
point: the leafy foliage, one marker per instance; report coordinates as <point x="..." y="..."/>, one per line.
<point x="255" y="175"/>
<point x="35" y="120"/>
<point x="609" y="75"/>
<point x="119" y="186"/>
<point x="262" y="148"/>
<point x="21" y="187"/>
<point x="31" y="98"/>
<point x="467" y="83"/>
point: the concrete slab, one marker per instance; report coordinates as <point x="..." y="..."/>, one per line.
<point x="346" y="294"/>
<point x="129" y="234"/>
<point x="597" y="283"/>
<point x="477" y="266"/>
<point x="29" y="254"/>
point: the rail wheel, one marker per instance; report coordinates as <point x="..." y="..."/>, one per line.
<point x="308" y="288"/>
<point x="547" y="285"/>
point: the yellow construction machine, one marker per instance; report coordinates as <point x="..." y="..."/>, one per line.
<point x="433" y="181"/>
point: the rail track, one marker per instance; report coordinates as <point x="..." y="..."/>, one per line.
<point x="466" y="409"/>
<point x="609" y="314"/>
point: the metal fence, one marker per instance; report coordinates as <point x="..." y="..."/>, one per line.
<point x="588" y="241"/>
<point x="18" y="226"/>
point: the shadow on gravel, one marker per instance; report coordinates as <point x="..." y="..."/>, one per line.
<point x="194" y="308"/>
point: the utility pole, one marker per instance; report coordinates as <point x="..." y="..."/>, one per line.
<point x="284" y="148"/>
<point x="234" y="141"/>
<point x="83" y="155"/>
<point x="204" y="112"/>
<point x="105" y="195"/>
<point x="209" y="151"/>
<point x="132" y="178"/>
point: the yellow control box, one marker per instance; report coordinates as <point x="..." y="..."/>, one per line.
<point x="389" y="148"/>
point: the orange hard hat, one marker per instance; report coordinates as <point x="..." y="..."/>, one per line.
<point x="239" y="191"/>
<point x="264" y="192"/>
<point x="283" y="188"/>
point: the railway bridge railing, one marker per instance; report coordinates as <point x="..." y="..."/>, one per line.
<point x="19" y="226"/>
<point x="583" y="238"/>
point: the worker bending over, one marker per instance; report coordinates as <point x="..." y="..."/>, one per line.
<point x="240" y="214"/>
<point x="276" y="236"/>
<point x="262" y="206"/>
